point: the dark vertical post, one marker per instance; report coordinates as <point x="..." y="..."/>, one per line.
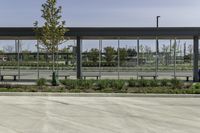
<point x="18" y="58"/>
<point x="38" y="71"/>
<point x="138" y="52"/>
<point x="79" y="57"/>
<point x="175" y="43"/>
<point x="118" y="58"/>
<point x="100" y="57"/>
<point x="195" y="59"/>
<point x="157" y="57"/>
<point x="170" y="47"/>
<point x="184" y="49"/>
<point x="157" y="48"/>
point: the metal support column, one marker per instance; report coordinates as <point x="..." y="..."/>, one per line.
<point x="118" y="55"/>
<point x="57" y="58"/>
<point x="157" y="57"/>
<point x="79" y="57"/>
<point x="170" y="48"/>
<point x="174" y="58"/>
<point x="195" y="59"/>
<point x="18" y="58"/>
<point x="138" y="51"/>
<point x="100" y="56"/>
<point x="38" y="71"/>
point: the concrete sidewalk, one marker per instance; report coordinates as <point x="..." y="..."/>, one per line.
<point x="50" y="114"/>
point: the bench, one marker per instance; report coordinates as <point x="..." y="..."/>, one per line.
<point x="183" y="76"/>
<point x="85" y="76"/>
<point x="9" y="75"/>
<point x="60" y="75"/>
<point x="153" y="76"/>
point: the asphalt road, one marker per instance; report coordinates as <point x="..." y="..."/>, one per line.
<point x="32" y="74"/>
<point x="99" y="115"/>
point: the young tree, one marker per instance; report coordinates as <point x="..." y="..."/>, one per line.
<point x="93" y="55"/>
<point x="123" y="54"/>
<point x="109" y="54"/>
<point x="52" y="33"/>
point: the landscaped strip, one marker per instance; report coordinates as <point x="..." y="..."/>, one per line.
<point x="173" y="86"/>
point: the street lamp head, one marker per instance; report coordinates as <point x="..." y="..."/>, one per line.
<point x="157" y="21"/>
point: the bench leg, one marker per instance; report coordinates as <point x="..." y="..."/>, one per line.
<point x="2" y="78"/>
<point x="15" y="78"/>
<point x="187" y="79"/>
<point x="65" y="77"/>
<point x="141" y="77"/>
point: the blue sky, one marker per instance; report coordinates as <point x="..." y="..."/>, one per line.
<point x="104" y="13"/>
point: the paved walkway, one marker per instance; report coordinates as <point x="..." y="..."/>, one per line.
<point x="23" y="114"/>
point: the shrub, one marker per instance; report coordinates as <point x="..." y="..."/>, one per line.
<point x="142" y="83"/>
<point x="153" y="83"/>
<point x="175" y="83"/>
<point x="103" y="84"/>
<point x="117" y="85"/>
<point x="196" y="86"/>
<point x="132" y="83"/>
<point x="70" y="84"/>
<point x="164" y="82"/>
<point x="41" y="82"/>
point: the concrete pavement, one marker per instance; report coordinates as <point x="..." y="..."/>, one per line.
<point x="26" y="114"/>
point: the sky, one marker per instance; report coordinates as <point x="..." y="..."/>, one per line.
<point x="104" y="13"/>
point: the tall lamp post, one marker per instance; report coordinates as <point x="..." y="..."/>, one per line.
<point x="157" y="19"/>
<point x="157" y="46"/>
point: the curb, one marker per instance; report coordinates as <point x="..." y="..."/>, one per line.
<point x="99" y="95"/>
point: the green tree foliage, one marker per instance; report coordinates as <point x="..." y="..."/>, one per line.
<point x="187" y="58"/>
<point x="65" y="50"/>
<point x="109" y="54"/>
<point x="123" y="54"/>
<point x="26" y="55"/>
<point x="52" y="33"/>
<point x="93" y="55"/>
<point x="131" y="52"/>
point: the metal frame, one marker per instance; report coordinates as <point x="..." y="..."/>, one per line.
<point x="100" y="57"/>
<point x="27" y="33"/>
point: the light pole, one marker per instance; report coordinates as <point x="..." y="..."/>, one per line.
<point x="157" y="18"/>
<point x="157" y="46"/>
